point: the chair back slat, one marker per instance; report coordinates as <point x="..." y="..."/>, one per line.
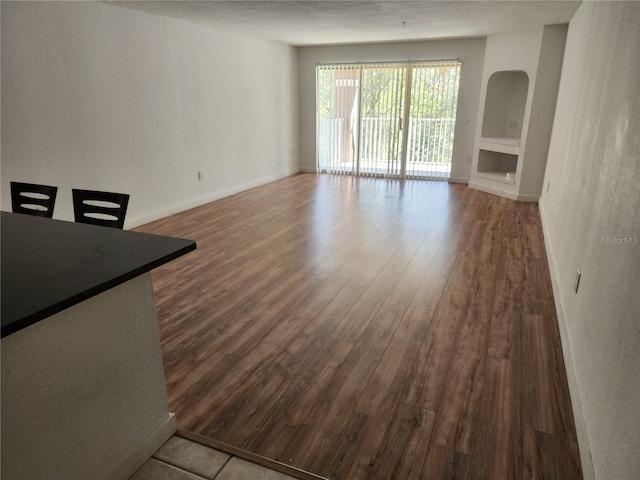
<point x="84" y="211"/>
<point x="23" y="201"/>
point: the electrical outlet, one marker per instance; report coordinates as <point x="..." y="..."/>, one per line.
<point x="200" y="175"/>
<point x="576" y="285"/>
<point x="513" y="125"/>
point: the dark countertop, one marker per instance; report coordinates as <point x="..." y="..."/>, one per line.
<point x="50" y="265"/>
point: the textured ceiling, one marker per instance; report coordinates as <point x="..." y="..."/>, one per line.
<point x="333" y="22"/>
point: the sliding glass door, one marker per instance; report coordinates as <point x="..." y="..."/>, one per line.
<point x="363" y="127"/>
<point x="432" y="119"/>
<point x="337" y="99"/>
<point x="381" y="116"/>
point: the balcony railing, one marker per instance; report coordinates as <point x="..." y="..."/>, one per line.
<point x="430" y="146"/>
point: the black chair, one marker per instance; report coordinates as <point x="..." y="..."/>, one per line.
<point x="33" y="199"/>
<point x="100" y="208"/>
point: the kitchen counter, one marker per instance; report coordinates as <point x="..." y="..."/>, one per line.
<point x="83" y="388"/>
<point x="50" y="265"/>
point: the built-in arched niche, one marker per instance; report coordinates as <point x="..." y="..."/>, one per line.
<point x="505" y="104"/>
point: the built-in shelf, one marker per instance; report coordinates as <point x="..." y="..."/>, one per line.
<point x="514" y="142"/>
<point x="514" y="119"/>
<point x="501" y="144"/>
<point x="495" y="166"/>
<point x="497" y="177"/>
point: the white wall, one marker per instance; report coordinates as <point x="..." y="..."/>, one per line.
<point x="101" y="97"/>
<point x="591" y="220"/>
<point x="470" y="52"/>
<point x="542" y="109"/>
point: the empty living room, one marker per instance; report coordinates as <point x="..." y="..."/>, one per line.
<point x="364" y="240"/>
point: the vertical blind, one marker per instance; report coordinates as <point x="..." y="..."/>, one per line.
<point x="337" y="97"/>
<point x="363" y="127"/>
<point x="381" y="116"/>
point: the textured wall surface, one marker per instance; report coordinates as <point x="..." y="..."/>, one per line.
<point x="470" y="52"/>
<point x="83" y="389"/>
<point x="591" y="218"/>
<point x="102" y="97"/>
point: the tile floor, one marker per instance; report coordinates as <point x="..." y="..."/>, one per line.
<point x="181" y="459"/>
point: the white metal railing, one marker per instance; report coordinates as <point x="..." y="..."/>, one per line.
<point x="429" y="148"/>
<point x="431" y="140"/>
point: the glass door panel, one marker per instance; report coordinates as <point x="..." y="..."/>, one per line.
<point x="432" y="120"/>
<point x="338" y="112"/>
<point x="382" y="112"/>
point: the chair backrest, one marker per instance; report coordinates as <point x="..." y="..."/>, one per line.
<point x="106" y="209"/>
<point x="33" y="199"/>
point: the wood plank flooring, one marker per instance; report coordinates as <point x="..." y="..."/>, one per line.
<point x="363" y="328"/>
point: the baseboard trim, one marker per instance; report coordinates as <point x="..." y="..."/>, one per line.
<point x="528" y="198"/>
<point x="493" y="191"/>
<point x="250" y="457"/>
<point x="503" y="193"/>
<point x="458" y="180"/>
<point x="136" y="222"/>
<point x="588" y="471"/>
<point x="308" y="170"/>
<point x="138" y="457"/>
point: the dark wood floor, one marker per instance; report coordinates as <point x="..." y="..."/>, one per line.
<point x="369" y="329"/>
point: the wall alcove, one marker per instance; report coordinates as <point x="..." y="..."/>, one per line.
<point x="517" y="106"/>
<point x="505" y="105"/>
